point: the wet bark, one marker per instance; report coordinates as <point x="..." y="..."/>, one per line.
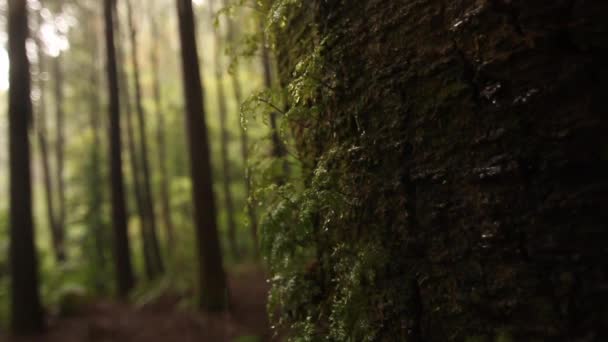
<point x="212" y="278"/>
<point x="26" y="310"/>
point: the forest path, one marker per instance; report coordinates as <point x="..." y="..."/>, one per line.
<point x="108" y="321"/>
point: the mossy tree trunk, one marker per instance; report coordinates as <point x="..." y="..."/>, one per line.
<point x="469" y="140"/>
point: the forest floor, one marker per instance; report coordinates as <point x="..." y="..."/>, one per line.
<point x="110" y="321"/>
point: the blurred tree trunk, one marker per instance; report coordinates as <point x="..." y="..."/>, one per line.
<point x="97" y="180"/>
<point x="42" y="135"/>
<point x="160" y="136"/>
<point x="26" y="310"/>
<point x="225" y="138"/>
<point x="238" y="97"/>
<point x="123" y="267"/>
<point x="133" y="158"/>
<point x="157" y="263"/>
<point x="212" y="279"/>
<point x="59" y="231"/>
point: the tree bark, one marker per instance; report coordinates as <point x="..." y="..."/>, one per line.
<point x="469" y="139"/>
<point x="165" y="193"/>
<point x="212" y="279"/>
<point x="225" y="138"/>
<point x="26" y="310"/>
<point x="157" y="262"/>
<point x="123" y="266"/>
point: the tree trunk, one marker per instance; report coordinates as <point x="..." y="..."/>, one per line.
<point x="97" y="180"/>
<point x="41" y="133"/>
<point x="123" y="266"/>
<point x="469" y="141"/>
<point x="26" y="310"/>
<point x="225" y="139"/>
<point x="133" y="158"/>
<point x="212" y="279"/>
<point x="157" y="262"/>
<point x="59" y="239"/>
<point x="238" y="97"/>
<point x="160" y="136"/>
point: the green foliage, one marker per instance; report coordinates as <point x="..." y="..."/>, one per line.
<point x="336" y="263"/>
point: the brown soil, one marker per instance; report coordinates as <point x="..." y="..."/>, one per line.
<point x="109" y="321"/>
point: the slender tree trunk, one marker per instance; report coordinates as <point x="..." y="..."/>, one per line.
<point x="225" y="139"/>
<point x="123" y="267"/>
<point x="148" y="202"/>
<point x="26" y="310"/>
<point x="212" y="279"/>
<point x="238" y="96"/>
<point x="133" y="159"/>
<point x="42" y="135"/>
<point x="97" y="179"/>
<point x="60" y="153"/>
<point x="160" y="136"/>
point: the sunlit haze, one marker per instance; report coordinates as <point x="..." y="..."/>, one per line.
<point x="52" y="33"/>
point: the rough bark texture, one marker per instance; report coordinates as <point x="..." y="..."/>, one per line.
<point x="212" y="279"/>
<point x="26" y="310"/>
<point x="122" y="253"/>
<point x="470" y="139"/>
